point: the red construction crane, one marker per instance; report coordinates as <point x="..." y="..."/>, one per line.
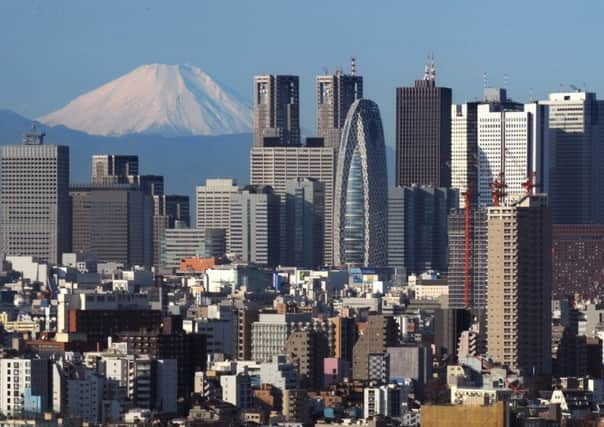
<point x="530" y="183"/>
<point x="468" y="194"/>
<point x="498" y="187"/>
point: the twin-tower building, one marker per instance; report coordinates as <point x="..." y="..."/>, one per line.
<point x="346" y="161"/>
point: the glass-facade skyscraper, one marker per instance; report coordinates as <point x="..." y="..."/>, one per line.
<point x="360" y="208"/>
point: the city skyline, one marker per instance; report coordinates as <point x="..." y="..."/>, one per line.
<point x="50" y="76"/>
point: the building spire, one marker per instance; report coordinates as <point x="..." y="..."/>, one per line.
<point x="433" y="69"/>
<point x="353" y="65"/>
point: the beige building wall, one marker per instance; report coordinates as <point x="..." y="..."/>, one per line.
<point x="519" y="286"/>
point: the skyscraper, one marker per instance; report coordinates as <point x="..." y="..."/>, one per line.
<point x="423" y="133"/>
<point x="114" y="222"/>
<point x="214" y="205"/>
<point x="519" y="285"/>
<point x="513" y="141"/>
<point x="417" y="227"/>
<point x="113" y="168"/>
<point x="276" y="110"/>
<point x="477" y="262"/>
<point x="34" y="199"/>
<point x="576" y="123"/>
<point x="464" y="149"/>
<point x="360" y="203"/>
<point x="168" y="212"/>
<point x="335" y="95"/>
<point x="275" y="166"/>
<point x="254" y="225"/>
<point x="304" y="206"/>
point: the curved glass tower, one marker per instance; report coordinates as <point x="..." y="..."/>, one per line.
<point x="361" y="190"/>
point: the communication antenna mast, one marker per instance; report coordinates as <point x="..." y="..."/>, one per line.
<point x="353" y="66"/>
<point x="505" y="81"/>
<point x="432" y="69"/>
<point x="427" y="70"/>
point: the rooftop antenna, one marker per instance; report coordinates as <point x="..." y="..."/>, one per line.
<point x="505" y="81"/>
<point x="427" y="69"/>
<point x="433" y="69"/>
<point x="484" y="80"/>
<point x="353" y="66"/>
<point x="531" y="97"/>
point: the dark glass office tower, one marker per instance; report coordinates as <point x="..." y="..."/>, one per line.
<point x="423" y="133"/>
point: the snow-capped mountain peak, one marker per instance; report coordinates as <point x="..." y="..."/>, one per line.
<point x="170" y="100"/>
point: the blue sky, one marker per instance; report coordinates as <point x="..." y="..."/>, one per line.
<point x="52" y="51"/>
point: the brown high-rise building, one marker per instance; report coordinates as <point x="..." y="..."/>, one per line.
<point x="381" y="332"/>
<point x="423" y="133"/>
<point x="306" y="348"/>
<point x="344" y="337"/>
<point x="247" y="314"/>
<point x="519" y="291"/>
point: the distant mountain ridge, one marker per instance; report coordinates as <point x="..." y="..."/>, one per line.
<point x="185" y="162"/>
<point x="158" y="99"/>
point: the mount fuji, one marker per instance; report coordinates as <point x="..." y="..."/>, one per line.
<point x="157" y="99"/>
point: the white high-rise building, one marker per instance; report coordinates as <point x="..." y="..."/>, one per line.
<point x="34" y="199"/>
<point x="214" y="205"/>
<point x="512" y="142"/>
<point x="464" y="150"/>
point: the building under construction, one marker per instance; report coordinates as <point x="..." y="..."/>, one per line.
<point x="463" y="294"/>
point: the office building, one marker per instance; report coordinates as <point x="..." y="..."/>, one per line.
<point x="34" y="199"/>
<point x="213" y="205"/>
<point x="304" y="206"/>
<point x="476" y="267"/>
<point x="417" y="227"/>
<point x="270" y="333"/>
<point x="519" y="286"/>
<point x="513" y="147"/>
<point x="254" y="226"/>
<point x="464" y="149"/>
<point x="275" y="166"/>
<point x="360" y="202"/>
<point x="153" y="185"/>
<point x="276" y="110"/>
<point x="381" y="332"/>
<point x="168" y="212"/>
<point x="113" y="168"/>
<point x="576" y="124"/>
<point x="178" y="244"/>
<point x="114" y="222"/>
<point x="423" y="133"/>
<point x="335" y="94"/>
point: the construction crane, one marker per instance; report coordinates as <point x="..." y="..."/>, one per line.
<point x="468" y="194"/>
<point x="498" y="187"/>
